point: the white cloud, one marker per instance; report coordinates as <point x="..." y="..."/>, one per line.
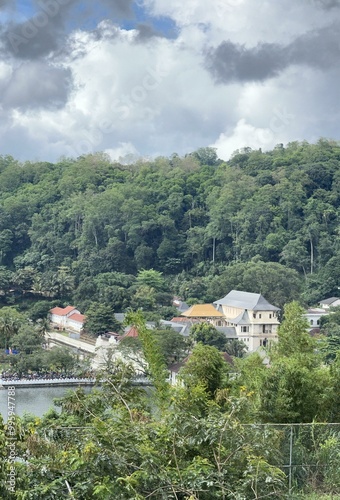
<point x="164" y="102"/>
<point x="157" y="97"/>
<point x="124" y="152"/>
<point x="244" y="134"/>
<point x="245" y="21"/>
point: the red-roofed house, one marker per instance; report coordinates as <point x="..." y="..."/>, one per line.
<point x="133" y="332"/>
<point x="76" y="321"/>
<point x="67" y="317"/>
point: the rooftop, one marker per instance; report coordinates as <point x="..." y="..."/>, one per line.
<point x="133" y="332"/>
<point x="246" y="300"/>
<point x="241" y="319"/>
<point x="180" y="305"/>
<point x="80" y="318"/>
<point x="316" y="310"/>
<point x="202" y="311"/>
<point x="329" y="301"/>
<point x="59" y="311"/>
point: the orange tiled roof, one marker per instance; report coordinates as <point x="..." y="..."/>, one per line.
<point x="80" y="318"/>
<point x="202" y="311"/>
<point x="133" y="332"/>
<point x="179" y="319"/>
<point x="59" y="311"/>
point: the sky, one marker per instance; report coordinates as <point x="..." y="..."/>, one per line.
<point x="151" y="78"/>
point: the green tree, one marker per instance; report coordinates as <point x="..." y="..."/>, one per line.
<point x="297" y="384"/>
<point x="144" y="298"/>
<point x="236" y="348"/>
<point x="63" y="282"/>
<point x="156" y="365"/>
<point x="27" y="340"/>
<point x="258" y="276"/>
<point x="10" y="322"/>
<point x="208" y="335"/>
<point x="59" y="359"/>
<point x="205" y="367"/>
<point x="293" y="335"/>
<point x="23" y="279"/>
<point x="151" y="278"/>
<point x="172" y="344"/>
<point x="40" y="309"/>
<point x="295" y="392"/>
<point x="6" y="280"/>
<point x="101" y="318"/>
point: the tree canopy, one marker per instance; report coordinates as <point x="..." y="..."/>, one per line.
<point x="88" y="230"/>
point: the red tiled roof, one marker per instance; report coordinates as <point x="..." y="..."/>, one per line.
<point x="80" y="318"/>
<point x="183" y="319"/>
<point x="133" y="332"/>
<point x="59" y="311"/>
<point x="68" y="309"/>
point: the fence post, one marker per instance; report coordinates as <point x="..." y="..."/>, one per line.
<point x="290" y="460"/>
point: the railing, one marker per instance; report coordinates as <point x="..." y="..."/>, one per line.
<point x="46" y="381"/>
<point x="29" y="382"/>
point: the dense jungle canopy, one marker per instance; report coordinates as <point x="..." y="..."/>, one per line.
<point x="80" y="230"/>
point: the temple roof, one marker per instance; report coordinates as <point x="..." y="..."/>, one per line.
<point x="246" y="300"/>
<point x="202" y="311"/>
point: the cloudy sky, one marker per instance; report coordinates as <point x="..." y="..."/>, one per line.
<point x="154" y="77"/>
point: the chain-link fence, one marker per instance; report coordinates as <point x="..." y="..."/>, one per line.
<point x="309" y="454"/>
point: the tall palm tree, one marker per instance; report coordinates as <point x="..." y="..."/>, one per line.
<point x="10" y="322"/>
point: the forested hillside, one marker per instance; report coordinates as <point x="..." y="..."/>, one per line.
<point x="81" y="229"/>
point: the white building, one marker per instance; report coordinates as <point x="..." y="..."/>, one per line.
<point x="331" y="302"/>
<point x="255" y="320"/>
<point x="313" y="316"/>
<point x="67" y="318"/>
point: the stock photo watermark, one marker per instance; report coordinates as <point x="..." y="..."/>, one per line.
<point x="280" y="120"/>
<point x="11" y="439"/>
<point x="122" y="108"/>
<point x="225" y="6"/>
<point x="29" y="29"/>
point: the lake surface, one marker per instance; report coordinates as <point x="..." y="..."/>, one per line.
<point x="36" y="400"/>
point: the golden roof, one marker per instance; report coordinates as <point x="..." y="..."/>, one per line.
<point x="202" y="311"/>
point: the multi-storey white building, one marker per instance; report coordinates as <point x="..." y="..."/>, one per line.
<point x="254" y="319"/>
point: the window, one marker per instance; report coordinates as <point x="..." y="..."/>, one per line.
<point x="254" y="315"/>
<point x="311" y="322"/>
<point x="244" y="329"/>
<point x="260" y="316"/>
<point x="270" y="315"/>
<point x="318" y="322"/>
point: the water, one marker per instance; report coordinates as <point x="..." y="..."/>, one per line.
<point x="35" y="400"/>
